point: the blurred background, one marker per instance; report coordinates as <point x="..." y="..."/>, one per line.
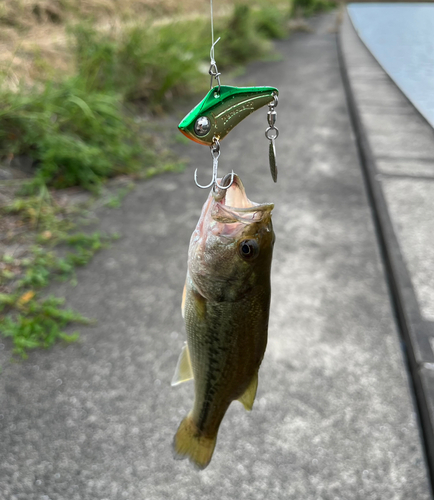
<point x="97" y="205"/>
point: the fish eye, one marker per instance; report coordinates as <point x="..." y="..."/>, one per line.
<point x="248" y="249"/>
<point x="202" y="126"/>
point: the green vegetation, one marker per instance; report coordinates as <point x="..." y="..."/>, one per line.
<point x="148" y="64"/>
<point x="309" y="7"/>
<point x="115" y="201"/>
<point x="76" y="136"/>
<point x="38" y="324"/>
<point x="241" y="41"/>
<point x="271" y="22"/>
<point x="29" y="318"/>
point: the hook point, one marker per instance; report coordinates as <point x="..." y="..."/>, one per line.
<point x="199" y="185"/>
<point x="229" y="185"/>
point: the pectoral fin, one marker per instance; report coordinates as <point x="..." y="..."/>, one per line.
<point x="249" y="395"/>
<point x="183" y="370"/>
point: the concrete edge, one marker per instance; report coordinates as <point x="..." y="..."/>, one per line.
<point x="401" y="291"/>
<point x="416" y="108"/>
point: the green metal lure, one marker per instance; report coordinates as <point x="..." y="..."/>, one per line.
<point x="222" y="109"/>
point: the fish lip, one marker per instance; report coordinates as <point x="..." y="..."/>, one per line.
<point x="246" y="210"/>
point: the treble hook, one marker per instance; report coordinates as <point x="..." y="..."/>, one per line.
<point x="215" y="153"/>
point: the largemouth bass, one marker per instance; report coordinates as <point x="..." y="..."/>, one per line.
<point x="225" y="306"/>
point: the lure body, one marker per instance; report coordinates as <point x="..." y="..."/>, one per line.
<point x="221" y="110"/>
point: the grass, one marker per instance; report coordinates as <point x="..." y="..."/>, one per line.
<point x="153" y="65"/>
<point x="74" y="136"/>
<point x="39" y="324"/>
<point x="310" y="7"/>
<point x="54" y="249"/>
<point x="157" y="64"/>
<point x="115" y="201"/>
<point x="241" y="40"/>
<point x="271" y="22"/>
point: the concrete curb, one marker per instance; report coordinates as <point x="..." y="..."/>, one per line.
<point x="402" y="294"/>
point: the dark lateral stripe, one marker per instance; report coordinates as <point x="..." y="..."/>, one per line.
<point x="214" y="351"/>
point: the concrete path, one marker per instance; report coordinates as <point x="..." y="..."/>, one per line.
<point x="398" y="151"/>
<point x="333" y="419"/>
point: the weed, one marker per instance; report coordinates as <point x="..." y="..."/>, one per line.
<point x="41" y="213"/>
<point x="271" y="22"/>
<point x="240" y="40"/>
<point x="74" y="137"/>
<point x="175" y="166"/>
<point x="155" y="64"/>
<point x="32" y="321"/>
<point x="143" y="63"/>
<point x="165" y="61"/>
<point x="27" y="318"/>
<point x="309" y="7"/>
<point x="96" y="56"/>
<point x="115" y="200"/>
<point x="39" y="324"/>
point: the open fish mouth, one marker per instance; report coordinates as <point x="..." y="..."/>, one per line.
<point x="232" y="204"/>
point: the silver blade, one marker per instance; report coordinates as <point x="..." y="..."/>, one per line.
<point x="272" y="157"/>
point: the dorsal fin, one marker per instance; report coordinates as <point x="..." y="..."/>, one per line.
<point x="183" y="370"/>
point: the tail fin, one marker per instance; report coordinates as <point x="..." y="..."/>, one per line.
<point x="189" y="443"/>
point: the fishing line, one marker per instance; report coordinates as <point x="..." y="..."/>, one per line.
<point x="213" y="71"/>
<point x="211" y="52"/>
<point x="212" y="35"/>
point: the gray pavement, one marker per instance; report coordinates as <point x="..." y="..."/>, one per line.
<point x="334" y="417"/>
<point x="398" y="146"/>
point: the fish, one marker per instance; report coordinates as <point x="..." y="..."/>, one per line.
<point x="225" y="305"/>
<point x="221" y="110"/>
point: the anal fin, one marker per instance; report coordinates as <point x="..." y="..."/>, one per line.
<point x="248" y="397"/>
<point x="183" y="370"/>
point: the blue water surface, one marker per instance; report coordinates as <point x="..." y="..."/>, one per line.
<point x="401" y="38"/>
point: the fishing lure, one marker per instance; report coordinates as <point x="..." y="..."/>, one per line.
<point x="222" y="109"/>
